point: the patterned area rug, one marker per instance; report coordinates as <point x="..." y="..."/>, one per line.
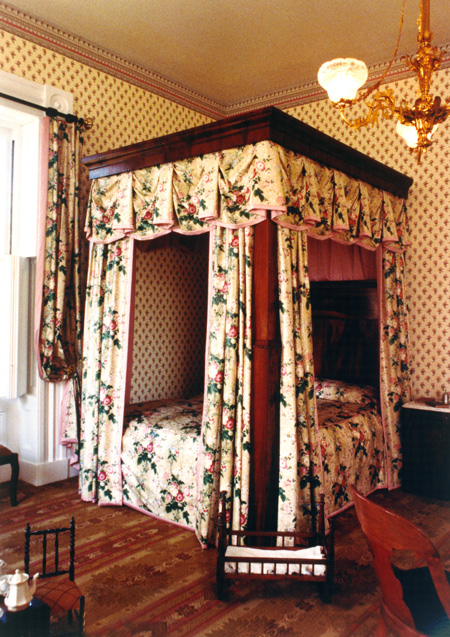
<point x="145" y="577"/>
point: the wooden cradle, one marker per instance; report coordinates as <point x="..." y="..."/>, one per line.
<point x="265" y="124"/>
<point x="276" y="555"/>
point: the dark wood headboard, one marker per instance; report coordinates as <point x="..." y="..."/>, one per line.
<point x="345" y="331"/>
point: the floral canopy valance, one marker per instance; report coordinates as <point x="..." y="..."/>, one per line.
<point x="235" y="188"/>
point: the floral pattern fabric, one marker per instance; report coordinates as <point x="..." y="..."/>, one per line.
<point x="345" y="393"/>
<point x="394" y="365"/>
<point x="60" y="317"/>
<point x="159" y="452"/>
<point x="236" y="187"/>
<point x="352" y="450"/>
<point x="224" y="460"/>
<point x="104" y="371"/>
<point x="299" y="468"/>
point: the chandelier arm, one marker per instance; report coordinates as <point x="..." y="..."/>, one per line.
<point x="383" y="105"/>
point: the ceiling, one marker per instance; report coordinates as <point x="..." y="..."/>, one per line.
<point x="230" y="51"/>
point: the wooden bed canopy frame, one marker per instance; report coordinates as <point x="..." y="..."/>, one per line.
<point x="274" y="125"/>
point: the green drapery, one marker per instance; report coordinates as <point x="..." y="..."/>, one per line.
<point x="234" y="190"/>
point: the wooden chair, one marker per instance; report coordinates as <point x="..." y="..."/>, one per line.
<point x="8" y="457"/>
<point x="61" y="593"/>
<point x="415" y="601"/>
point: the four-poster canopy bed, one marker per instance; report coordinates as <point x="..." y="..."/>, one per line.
<point x="259" y="184"/>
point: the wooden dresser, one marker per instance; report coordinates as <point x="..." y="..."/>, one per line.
<point x="426" y="449"/>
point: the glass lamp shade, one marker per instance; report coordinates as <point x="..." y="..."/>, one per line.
<point x="342" y="78"/>
<point x="410" y="135"/>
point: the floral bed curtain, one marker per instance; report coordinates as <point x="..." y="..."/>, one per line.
<point x="58" y="315"/>
<point x="108" y="299"/>
<point x="224" y="463"/>
<point x="299" y="461"/>
<point x="394" y="366"/>
<point x="231" y="191"/>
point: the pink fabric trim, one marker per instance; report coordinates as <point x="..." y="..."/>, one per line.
<point x="290" y="226"/>
<point x="137" y="237"/>
<point x="127" y="366"/>
<point x="129" y="337"/>
<point x="205" y="387"/>
<point x="67" y="442"/>
<point x="234" y="226"/>
<point x="44" y="134"/>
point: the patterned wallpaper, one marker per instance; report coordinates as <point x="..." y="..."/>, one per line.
<point x="428" y="258"/>
<point x="170" y="322"/>
<point x="125" y="114"/>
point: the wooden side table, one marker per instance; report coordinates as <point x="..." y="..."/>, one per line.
<point x="8" y="457"/>
<point x="425" y="436"/>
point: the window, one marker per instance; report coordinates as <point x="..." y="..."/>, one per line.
<point x="19" y="175"/>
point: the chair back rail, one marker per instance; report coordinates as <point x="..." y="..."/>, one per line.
<point x="46" y="535"/>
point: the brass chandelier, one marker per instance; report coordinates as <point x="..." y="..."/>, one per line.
<point x="342" y="79"/>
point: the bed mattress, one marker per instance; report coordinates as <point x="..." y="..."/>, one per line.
<point x="159" y="458"/>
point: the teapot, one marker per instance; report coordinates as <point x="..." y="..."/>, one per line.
<point x="20" y="591"/>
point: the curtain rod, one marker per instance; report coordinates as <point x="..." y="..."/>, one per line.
<point x="51" y="112"/>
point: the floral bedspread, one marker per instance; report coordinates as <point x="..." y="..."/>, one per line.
<point x="352" y="449"/>
<point x="159" y="458"/>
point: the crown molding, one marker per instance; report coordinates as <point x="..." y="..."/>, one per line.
<point x="72" y="46"/>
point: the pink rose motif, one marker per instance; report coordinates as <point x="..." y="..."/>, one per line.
<point x="150" y="447"/>
<point x="192" y="209"/>
<point x="179" y="497"/>
<point x="107" y="400"/>
<point x="101" y="476"/>
<point x="240" y="199"/>
<point x="219" y="377"/>
<point x="229" y="424"/>
<point x="112" y="326"/>
<point x="105" y="219"/>
<point x="260" y="165"/>
<point x="148" y="215"/>
<point x="235" y="242"/>
<point x="243" y="519"/>
<point x="233" y="331"/>
<point x="118" y="251"/>
<point x="211" y="468"/>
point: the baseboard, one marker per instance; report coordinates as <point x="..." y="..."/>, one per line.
<point x="39" y="474"/>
